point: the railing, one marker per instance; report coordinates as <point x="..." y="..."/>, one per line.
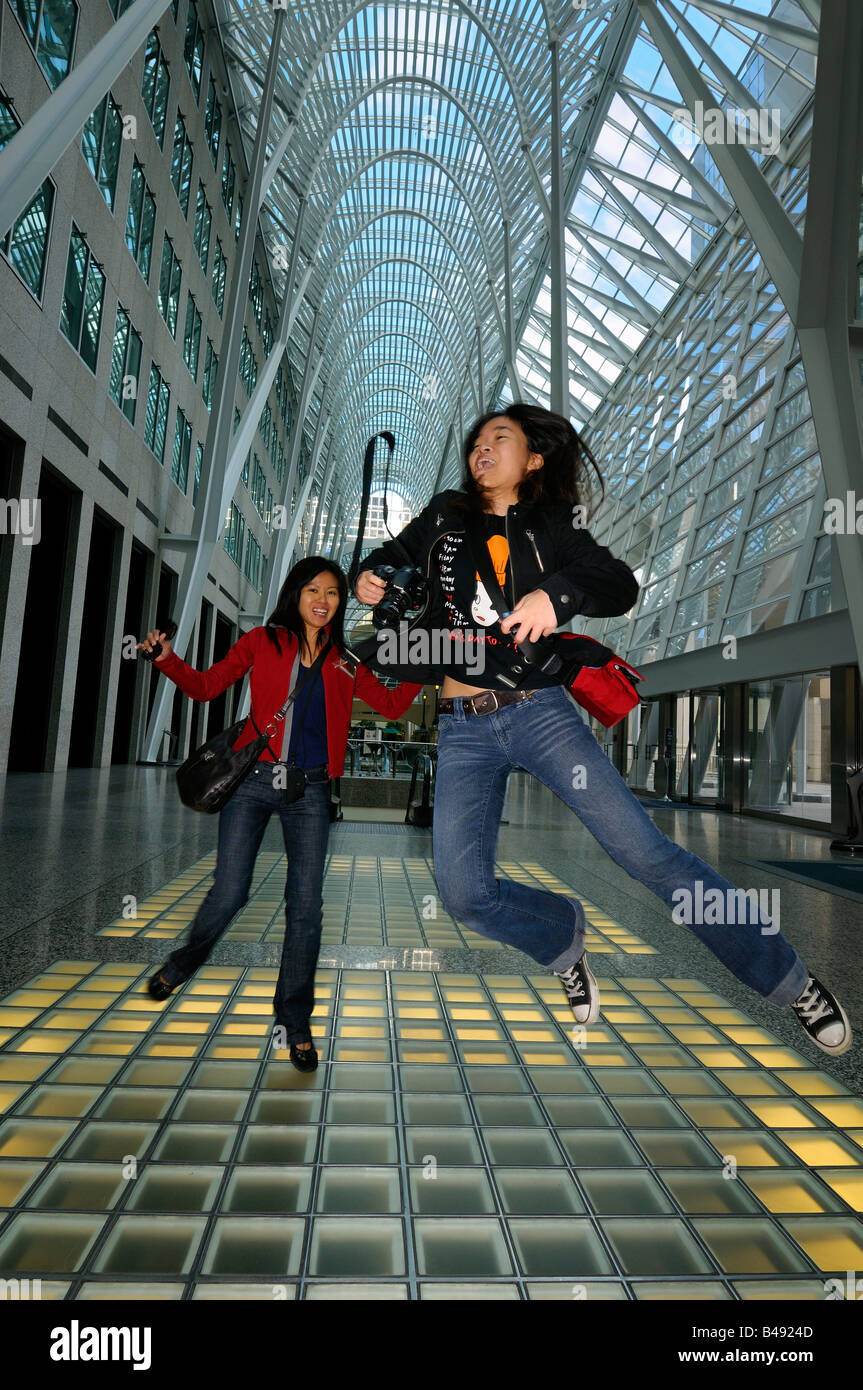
<point x="388" y="758"/>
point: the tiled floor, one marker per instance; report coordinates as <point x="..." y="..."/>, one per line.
<point x="369" y="900"/>
<point x="459" y="1139"/>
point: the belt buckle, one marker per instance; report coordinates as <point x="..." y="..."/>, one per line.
<point x="480" y="702"/>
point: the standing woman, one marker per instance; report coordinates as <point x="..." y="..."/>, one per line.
<point x="310" y="608"/>
<point x="522" y="496"/>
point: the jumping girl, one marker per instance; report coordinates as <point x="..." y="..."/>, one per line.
<point x="523" y="493"/>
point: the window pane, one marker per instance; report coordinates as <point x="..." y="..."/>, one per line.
<point x="118" y="356"/>
<point x="28" y="243"/>
<point x="73" y="292"/>
<point x="193" y="51"/>
<point x="91" y="139"/>
<point x="111" y="152"/>
<point x="28" y="13"/>
<point x="148" y="222"/>
<point x="56" y="37"/>
<point x="92" y="315"/>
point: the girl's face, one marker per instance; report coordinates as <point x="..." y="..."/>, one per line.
<point x="319" y="600"/>
<point x="500" y="458"/>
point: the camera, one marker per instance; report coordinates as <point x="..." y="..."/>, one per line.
<point x="170" y="631"/>
<point x="406" y="588"/>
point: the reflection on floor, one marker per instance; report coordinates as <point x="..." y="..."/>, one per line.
<point x="458" y="1140"/>
<point x="368" y="901"/>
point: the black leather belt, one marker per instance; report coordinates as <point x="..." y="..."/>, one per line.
<point x="486" y="702"/>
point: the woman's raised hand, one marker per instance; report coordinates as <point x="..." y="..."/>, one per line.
<point x="150" y="642"/>
<point x="368" y="588"/>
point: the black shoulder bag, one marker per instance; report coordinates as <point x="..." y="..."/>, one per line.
<point x="210" y="776"/>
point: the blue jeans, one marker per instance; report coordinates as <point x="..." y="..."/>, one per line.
<point x="306" y="828"/>
<point x="547" y="737"/>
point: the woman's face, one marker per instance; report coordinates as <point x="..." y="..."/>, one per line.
<point x="319" y="600"/>
<point x="500" y="458"/>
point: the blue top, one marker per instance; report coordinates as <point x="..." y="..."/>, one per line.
<point x="308" y="746"/>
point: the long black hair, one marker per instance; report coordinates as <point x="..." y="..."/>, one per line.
<point x="286" y="613"/>
<point x="565" y="475"/>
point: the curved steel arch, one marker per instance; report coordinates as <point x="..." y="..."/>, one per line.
<point x="397" y="389"/>
<point x="424" y="82"/>
<point x="336" y="485"/>
<point x="327" y="335"/>
<point x="506" y="68"/>
<point x="401" y="259"/>
<point x="397" y="333"/>
<point x="391" y="362"/>
<point x="392" y="386"/>
<point x="402" y="299"/>
<point x="392" y="414"/>
<point x="420" y="217"/>
<point x="438" y="164"/>
<point x="434" y="160"/>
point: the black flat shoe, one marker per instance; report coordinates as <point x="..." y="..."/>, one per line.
<point x="158" y="988"/>
<point x="304" y="1059"/>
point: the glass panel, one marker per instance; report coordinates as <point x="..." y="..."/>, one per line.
<point x="268" y="1190"/>
<point x="460" y="1248"/>
<point x="625" y="1194"/>
<point x="360" y="1190"/>
<point x="33" y="1243"/>
<point x="348" y="1248"/>
<point x="750" y="1247"/>
<point x="247" y="1245"/>
<point x="559" y="1248"/>
<point x="789" y="743"/>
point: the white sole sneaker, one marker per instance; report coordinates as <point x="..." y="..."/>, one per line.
<point x="817" y="1005"/>
<point x="581" y="990"/>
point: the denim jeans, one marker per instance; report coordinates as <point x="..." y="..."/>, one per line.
<point x="306" y="828"/>
<point x="547" y="737"/>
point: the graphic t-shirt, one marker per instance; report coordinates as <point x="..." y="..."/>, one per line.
<point x="471" y="611"/>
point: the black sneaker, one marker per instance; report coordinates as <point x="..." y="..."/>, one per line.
<point x="581" y="991"/>
<point x="823" y="1017"/>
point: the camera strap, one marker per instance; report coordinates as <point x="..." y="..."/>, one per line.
<point x="539" y="654"/>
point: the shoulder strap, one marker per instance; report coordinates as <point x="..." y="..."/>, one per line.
<point x="541" y="653"/>
<point x="296" y="686"/>
<point x="483" y="564"/>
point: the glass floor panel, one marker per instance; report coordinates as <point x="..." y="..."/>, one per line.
<point x="368" y="900"/>
<point x="164" y="1151"/>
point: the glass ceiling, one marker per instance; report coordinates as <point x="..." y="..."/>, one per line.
<point x="418" y="129"/>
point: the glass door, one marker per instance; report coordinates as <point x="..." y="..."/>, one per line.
<point x="705" y="753"/>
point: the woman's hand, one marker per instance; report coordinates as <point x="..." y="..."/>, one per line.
<point x="533" y="617"/>
<point x="150" y="641"/>
<point x="368" y="588"/>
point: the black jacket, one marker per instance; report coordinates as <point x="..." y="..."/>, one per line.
<point x="546" y="552"/>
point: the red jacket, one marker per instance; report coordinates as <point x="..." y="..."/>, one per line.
<point x="268" y="685"/>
